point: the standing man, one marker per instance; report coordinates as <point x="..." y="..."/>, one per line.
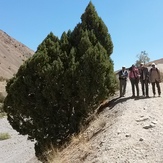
<point x="123" y="74"/>
<point x="134" y="79"/>
<point x="155" y="79"/>
<point x="144" y="79"/>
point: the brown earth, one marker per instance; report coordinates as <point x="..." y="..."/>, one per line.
<point x="12" y="55"/>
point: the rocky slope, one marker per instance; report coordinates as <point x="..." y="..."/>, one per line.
<point x="12" y="55"/>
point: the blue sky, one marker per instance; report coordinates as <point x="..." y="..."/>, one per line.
<point x="134" y="25"/>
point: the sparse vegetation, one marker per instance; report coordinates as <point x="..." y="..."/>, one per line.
<point x="4" y="136"/>
<point x="2" y="78"/>
<point x="2" y="97"/>
<point x="79" y="141"/>
<point x="1" y="107"/>
<point x="54" y="156"/>
<point x="2" y="113"/>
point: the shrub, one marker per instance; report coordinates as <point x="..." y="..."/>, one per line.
<point x="56" y="89"/>
<point x="2" y="78"/>
<point x="4" y="136"/>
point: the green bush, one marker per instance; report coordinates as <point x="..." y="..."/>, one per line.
<point x="61" y="85"/>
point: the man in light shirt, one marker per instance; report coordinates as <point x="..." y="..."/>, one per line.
<point x="155" y="79"/>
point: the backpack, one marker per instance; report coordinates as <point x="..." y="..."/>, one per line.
<point x="156" y="70"/>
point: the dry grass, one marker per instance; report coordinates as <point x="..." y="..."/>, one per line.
<point x="54" y="156"/>
<point x="2" y="97"/>
<point x="4" y="136"/>
<point x="2" y="78"/>
<point x="2" y="114"/>
<point x="80" y="142"/>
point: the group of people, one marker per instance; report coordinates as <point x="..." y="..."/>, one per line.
<point x="144" y="76"/>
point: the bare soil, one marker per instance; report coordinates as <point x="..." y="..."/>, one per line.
<point x="12" y="55"/>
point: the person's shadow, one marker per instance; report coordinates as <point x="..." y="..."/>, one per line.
<point x="112" y="103"/>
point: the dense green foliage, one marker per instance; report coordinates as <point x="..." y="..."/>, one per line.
<point x="54" y="91"/>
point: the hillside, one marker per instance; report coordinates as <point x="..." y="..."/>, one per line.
<point x="12" y="55"/>
<point x="127" y="131"/>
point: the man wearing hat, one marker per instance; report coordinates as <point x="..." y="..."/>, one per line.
<point x="155" y="79"/>
<point x="134" y="77"/>
<point x="144" y="79"/>
<point x="123" y="74"/>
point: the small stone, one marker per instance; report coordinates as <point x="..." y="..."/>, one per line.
<point x="140" y="120"/>
<point x="149" y="126"/>
<point x="128" y="135"/>
<point x="154" y="122"/>
<point x="141" y="139"/>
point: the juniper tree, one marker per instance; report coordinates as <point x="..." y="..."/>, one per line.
<point x="56" y="89"/>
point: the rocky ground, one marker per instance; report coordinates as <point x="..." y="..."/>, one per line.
<point x="17" y="149"/>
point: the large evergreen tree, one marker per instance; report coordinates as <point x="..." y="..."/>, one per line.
<point x="60" y="86"/>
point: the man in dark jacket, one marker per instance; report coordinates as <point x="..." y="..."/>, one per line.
<point x="144" y="79"/>
<point x="123" y="74"/>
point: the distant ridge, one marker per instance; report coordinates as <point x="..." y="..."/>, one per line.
<point x="158" y="61"/>
<point x="12" y="54"/>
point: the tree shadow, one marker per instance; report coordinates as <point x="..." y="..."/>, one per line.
<point x="112" y="103"/>
<point x="117" y="100"/>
